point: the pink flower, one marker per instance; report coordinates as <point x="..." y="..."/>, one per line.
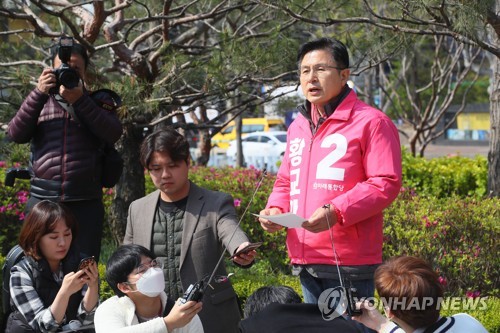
<point x="237" y="202"/>
<point x="22" y="196"/>
<point x="443" y="281"/>
<point x="21" y="216"/>
<point x="473" y="294"/>
<point x="3" y="164"/>
<point x="3" y="209"/>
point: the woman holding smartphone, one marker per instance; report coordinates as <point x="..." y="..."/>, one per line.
<point x="48" y="292"/>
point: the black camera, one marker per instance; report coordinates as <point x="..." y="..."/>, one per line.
<point x="193" y="293"/>
<point x="65" y="75"/>
<point x="13" y="173"/>
<point x="351" y="294"/>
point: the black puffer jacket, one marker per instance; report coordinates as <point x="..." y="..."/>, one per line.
<point x="65" y="155"/>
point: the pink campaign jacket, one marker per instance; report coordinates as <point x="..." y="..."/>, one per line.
<point x="353" y="162"/>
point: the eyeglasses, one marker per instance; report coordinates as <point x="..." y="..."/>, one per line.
<point x="142" y="268"/>
<point x="319" y="70"/>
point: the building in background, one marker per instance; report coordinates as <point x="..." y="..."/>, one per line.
<point x="472" y="125"/>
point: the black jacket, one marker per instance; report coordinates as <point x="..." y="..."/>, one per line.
<point x="295" y="318"/>
<point x="65" y="155"/>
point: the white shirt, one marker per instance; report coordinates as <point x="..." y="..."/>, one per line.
<point x="459" y="323"/>
<point x="117" y="315"/>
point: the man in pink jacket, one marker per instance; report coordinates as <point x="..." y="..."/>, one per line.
<point x="341" y="168"/>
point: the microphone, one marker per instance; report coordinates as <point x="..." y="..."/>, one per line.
<point x="349" y="292"/>
<point x="196" y="290"/>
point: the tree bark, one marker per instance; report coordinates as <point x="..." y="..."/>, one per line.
<point x="494" y="144"/>
<point x="131" y="185"/>
<point x="494" y="150"/>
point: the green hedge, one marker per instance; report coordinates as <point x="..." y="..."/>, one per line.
<point x="445" y="176"/>
<point x="458" y="236"/>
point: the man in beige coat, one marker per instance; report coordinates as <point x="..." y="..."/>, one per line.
<point x="188" y="228"/>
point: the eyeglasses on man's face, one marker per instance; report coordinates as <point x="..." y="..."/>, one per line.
<point x="318" y="70"/>
<point x="142" y="268"/>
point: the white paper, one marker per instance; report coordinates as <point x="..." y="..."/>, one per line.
<point x="288" y="220"/>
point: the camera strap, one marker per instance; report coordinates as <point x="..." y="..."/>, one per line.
<point x="69" y="108"/>
<point x="335" y="255"/>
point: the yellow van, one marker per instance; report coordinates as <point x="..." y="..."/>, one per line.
<point x="249" y="125"/>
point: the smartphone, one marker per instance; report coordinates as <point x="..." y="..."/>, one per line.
<point x="248" y="248"/>
<point x="85" y="262"/>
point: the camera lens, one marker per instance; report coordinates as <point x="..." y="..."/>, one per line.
<point x="69" y="78"/>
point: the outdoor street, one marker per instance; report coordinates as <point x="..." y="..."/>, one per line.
<point x="436" y="150"/>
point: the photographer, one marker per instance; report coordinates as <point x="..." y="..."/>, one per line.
<point x="66" y="160"/>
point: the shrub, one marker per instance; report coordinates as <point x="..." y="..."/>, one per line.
<point x="262" y="273"/>
<point x="458" y="236"/>
<point x="241" y="184"/>
<point x="446" y="176"/>
<point x="12" y="204"/>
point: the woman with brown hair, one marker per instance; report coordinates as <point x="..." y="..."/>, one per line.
<point x="411" y="293"/>
<point x="48" y="292"/>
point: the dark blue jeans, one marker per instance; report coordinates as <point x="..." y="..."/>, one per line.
<point x="312" y="287"/>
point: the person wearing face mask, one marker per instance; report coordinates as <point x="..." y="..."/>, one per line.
<point x="66" y="153"/>
<point x="140" y="304"/>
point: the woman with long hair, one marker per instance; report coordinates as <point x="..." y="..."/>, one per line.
<point x="48" y="291"/>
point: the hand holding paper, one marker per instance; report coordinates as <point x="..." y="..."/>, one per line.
<point x="288" y="220"/>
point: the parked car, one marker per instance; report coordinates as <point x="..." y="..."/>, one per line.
<point x="260" y="144"/>
<point x="249" y="125"/>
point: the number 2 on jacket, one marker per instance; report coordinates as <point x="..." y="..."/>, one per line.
<point x="325" y="169"/>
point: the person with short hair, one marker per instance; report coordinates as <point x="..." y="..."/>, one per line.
<point x="279" y="309"/>
<point x="140" y="304"/>
<point x="66" y="156"/>
<point x="266" y="295"/>
<point x="188" y="228"/>
<point x="411" y="293"/>
<point x="48" y="292"/>
<point x="340" y="170"/>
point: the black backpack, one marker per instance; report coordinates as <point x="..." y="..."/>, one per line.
<point x="112" y="162"/>
<point x="13" y="257"/>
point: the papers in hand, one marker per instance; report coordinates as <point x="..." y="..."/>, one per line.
<point x="289" y="220"/>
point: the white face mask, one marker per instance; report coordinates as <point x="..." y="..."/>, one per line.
<point x="151" y="283"/>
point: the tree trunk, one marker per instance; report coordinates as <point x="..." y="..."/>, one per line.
<point x="494" y="148"/>
<point x="205" y="146"/>
<point x="494" y="151"/>
<point x="204" y="140"/>
<point x="131" y="185"/>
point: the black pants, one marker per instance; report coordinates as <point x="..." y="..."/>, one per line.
<point x="90" y="217"/>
